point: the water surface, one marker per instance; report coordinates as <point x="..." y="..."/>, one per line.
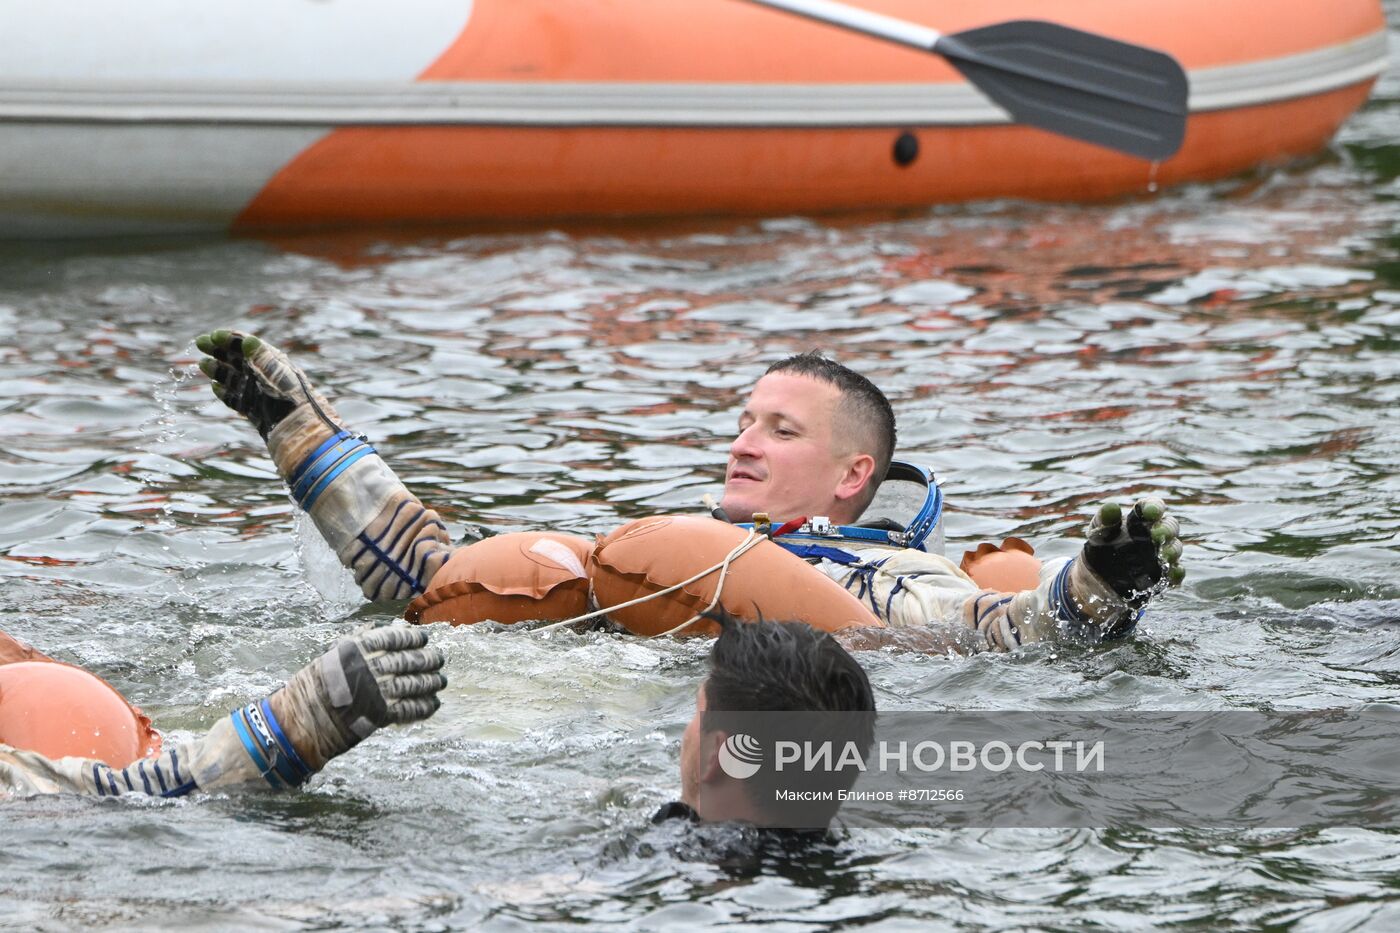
<point x="1231" y="348"/>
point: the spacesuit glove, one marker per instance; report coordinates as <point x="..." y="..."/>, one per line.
<point x="380" y="675"/>
<point x="1100" y="594"/>
<point x="379" y="530"/>
<point x="259" y="382"/>
<point x="1139" y="555"/>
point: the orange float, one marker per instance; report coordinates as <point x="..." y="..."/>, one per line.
<point x="546" y="576"/>
<point x="59" y="710"/>
<point x="646" y="556"/>
<point x="509" y="578"/>
<point x="1010" y="568"/>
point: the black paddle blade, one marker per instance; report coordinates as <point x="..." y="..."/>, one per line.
<point x="1077" y="84"/>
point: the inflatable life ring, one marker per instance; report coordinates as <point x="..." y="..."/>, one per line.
<point x="59" y="710"/>
<point x="509" y="578"/>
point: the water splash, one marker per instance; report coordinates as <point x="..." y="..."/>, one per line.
<point x="322" y="570"/>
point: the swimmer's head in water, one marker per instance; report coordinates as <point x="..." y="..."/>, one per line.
<point x="815" y="438"/>
<point x="759" y="667"/>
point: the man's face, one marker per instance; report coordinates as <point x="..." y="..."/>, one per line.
<point x="691" y="754"/>
<point x="784" y="461"/>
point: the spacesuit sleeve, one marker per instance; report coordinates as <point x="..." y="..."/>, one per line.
<point x="217" y="760"/>
<point x="908" y="588"/>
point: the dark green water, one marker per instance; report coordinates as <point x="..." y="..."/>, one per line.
<point x="1231" y="348"/>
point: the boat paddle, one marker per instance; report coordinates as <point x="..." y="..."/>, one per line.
<point x="1075" y="83"/>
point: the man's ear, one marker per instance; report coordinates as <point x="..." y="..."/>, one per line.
<point x="858" y="476"/>
<point x="710" y="744"/>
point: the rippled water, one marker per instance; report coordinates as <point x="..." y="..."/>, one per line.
<point x="1231" y="348"/>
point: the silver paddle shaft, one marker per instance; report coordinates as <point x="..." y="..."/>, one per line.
<point x="872" y="24"/>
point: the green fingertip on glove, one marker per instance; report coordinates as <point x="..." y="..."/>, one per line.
<point x="1135" y="551"/>
<point x="1151" y="509"/>
<point x="261" y="386"/>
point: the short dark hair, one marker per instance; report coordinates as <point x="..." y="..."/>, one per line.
<point x="788" y="667"/>
<point x="863" y="407"/>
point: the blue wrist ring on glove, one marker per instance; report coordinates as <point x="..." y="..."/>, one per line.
<point x="1065" y="609"/>
<point x="323" y="465"/>
<point x="272" y="752"/>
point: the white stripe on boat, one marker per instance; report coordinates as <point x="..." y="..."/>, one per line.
<point x="549" y="103"/>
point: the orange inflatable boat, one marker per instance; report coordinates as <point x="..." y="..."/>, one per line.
<point x="258" y="114"/>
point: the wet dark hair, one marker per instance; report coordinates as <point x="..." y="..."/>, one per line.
<point x="788" y="667"/>
<point x="783" y="667"/>
<point x="868" y="416"/>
